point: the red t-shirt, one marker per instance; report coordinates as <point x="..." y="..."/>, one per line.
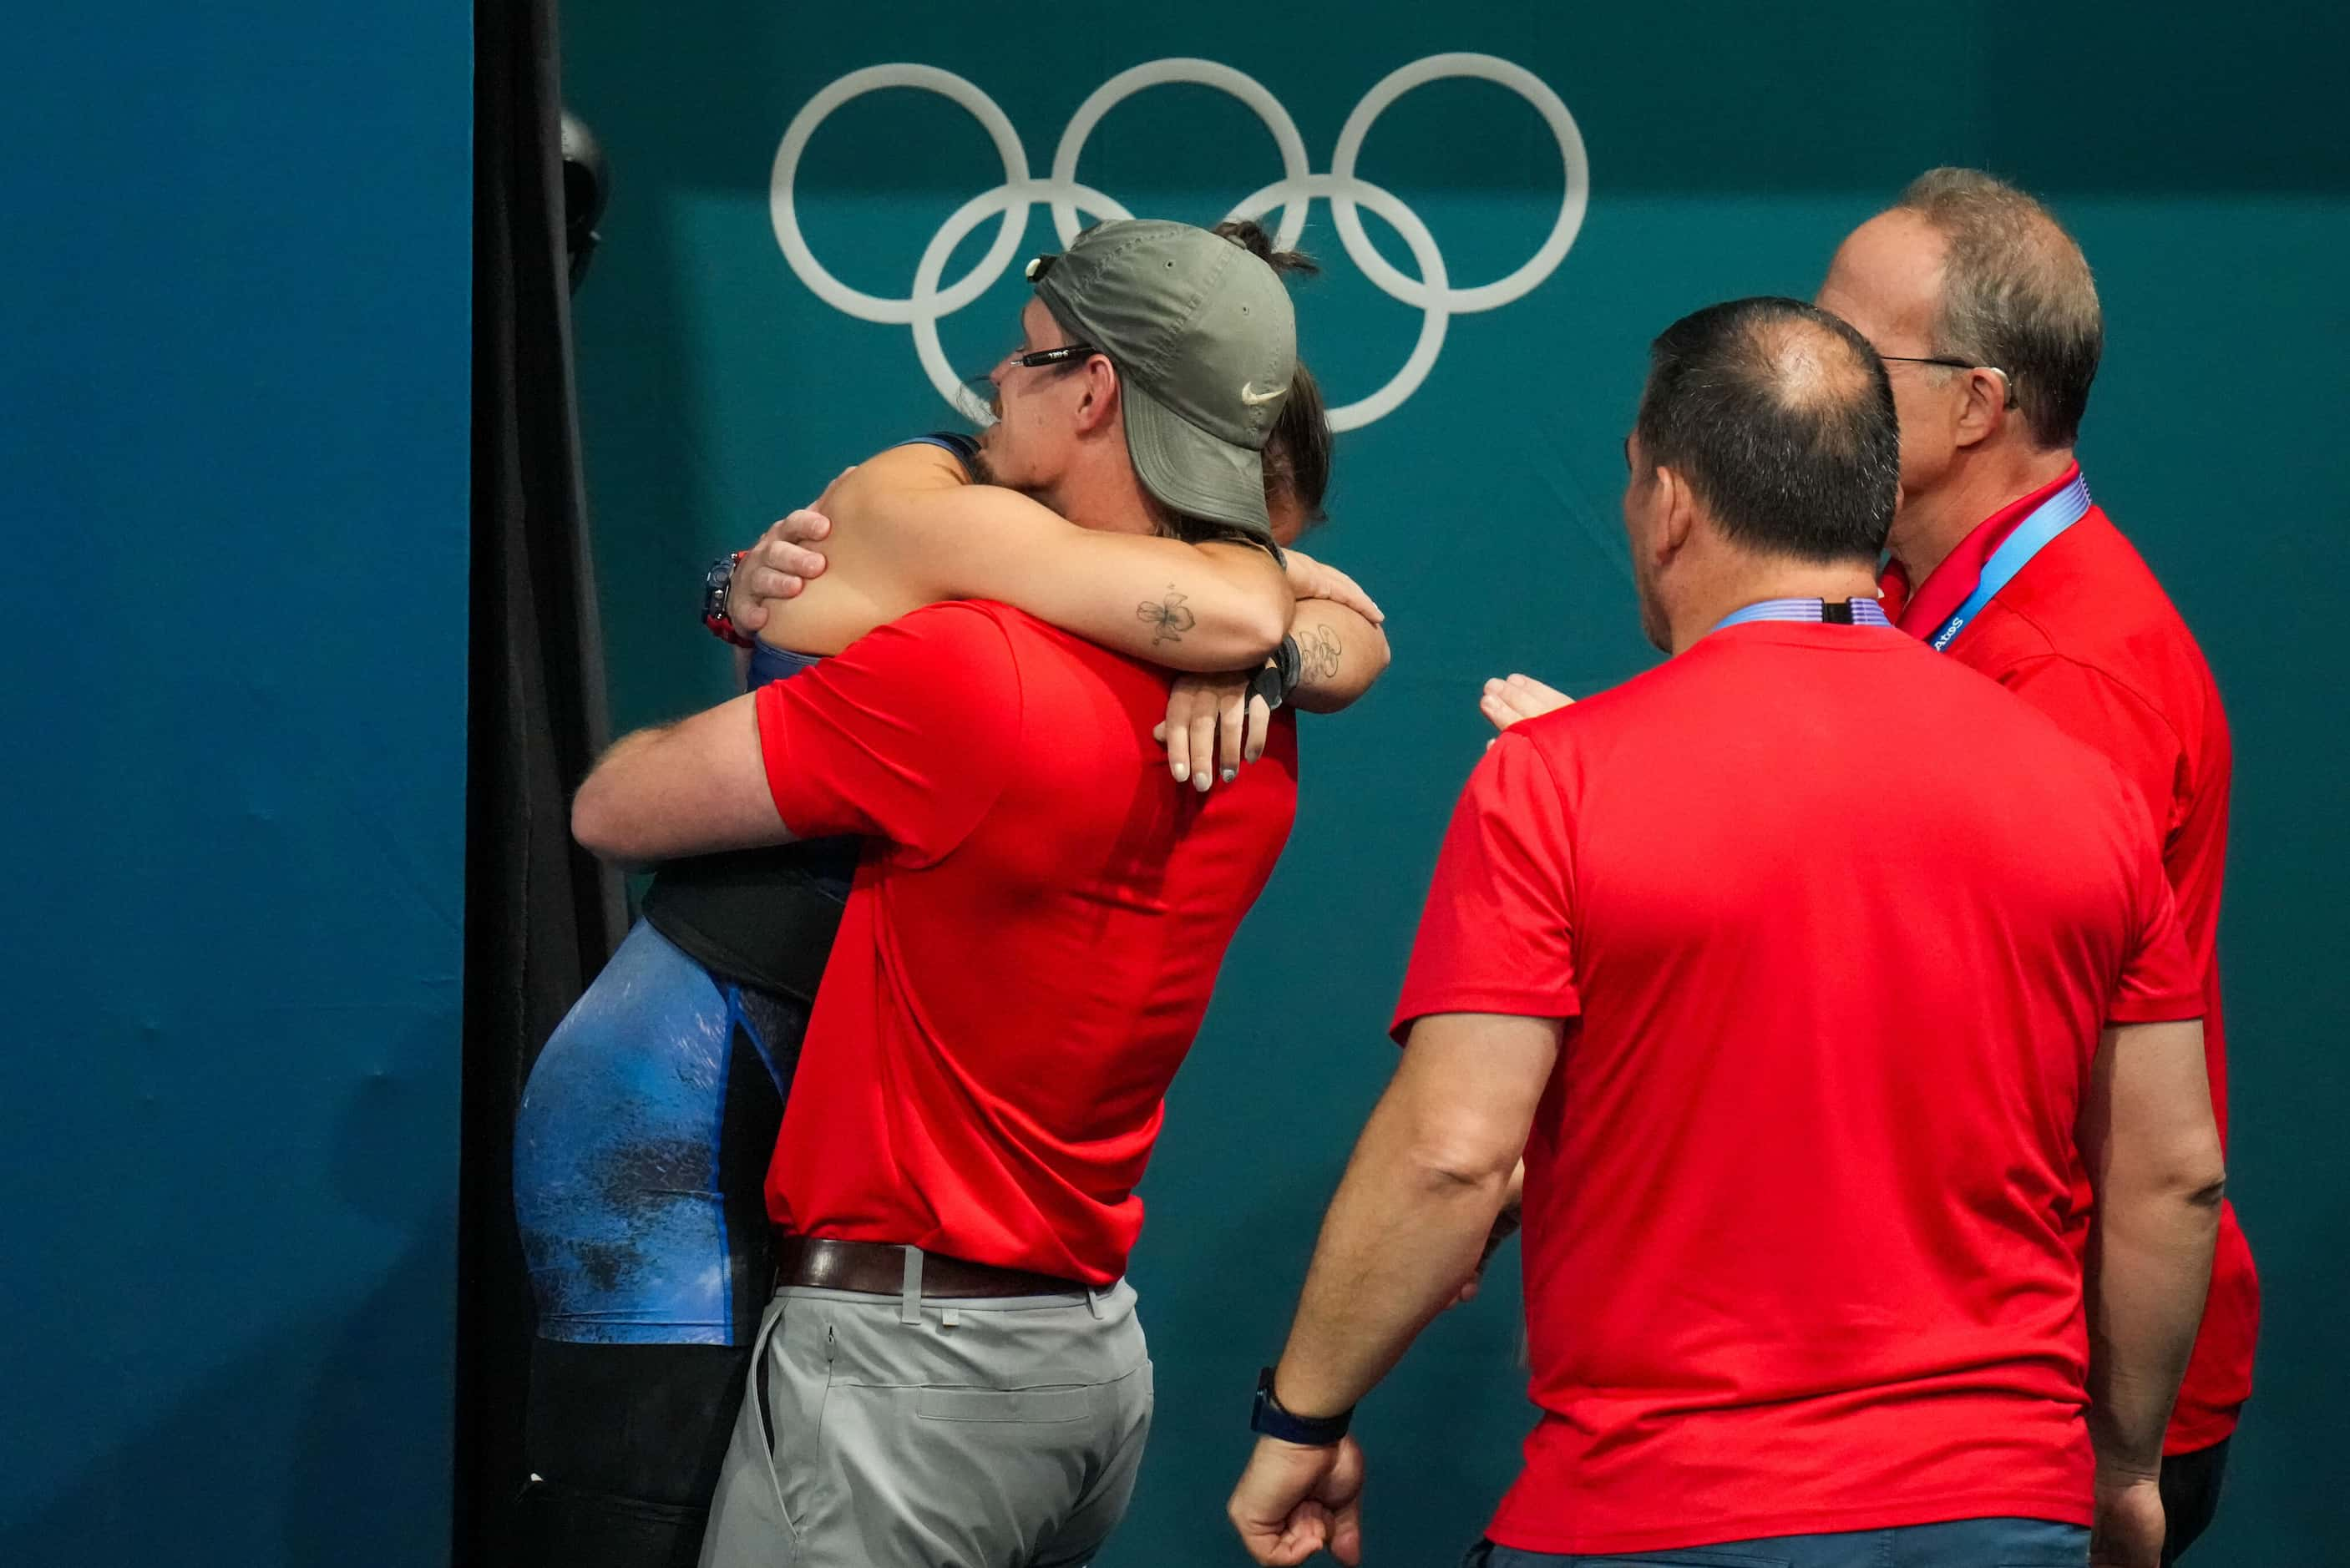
<point x="1837" y="925"/>
<point x="1030" y="943"/>
<point x="2085" y="634"/>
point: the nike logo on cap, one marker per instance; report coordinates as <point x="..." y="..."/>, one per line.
<point x="1251" y="396"/>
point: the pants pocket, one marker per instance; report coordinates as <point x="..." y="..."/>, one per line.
<point x="2037" y="1544"/>
<point x="793" y="1389"/>
<point x="1020" y="1407"/>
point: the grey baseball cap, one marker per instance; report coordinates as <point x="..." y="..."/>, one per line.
<point x="1205" y="343"/>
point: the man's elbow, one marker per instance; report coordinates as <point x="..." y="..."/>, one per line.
<point x="2193" y="1176"/>
<point x="599" y="824"/>
<point x="2206" y="1187"/>
<point x="1462" y="1155"/>
<point x="2197" y="1171"/>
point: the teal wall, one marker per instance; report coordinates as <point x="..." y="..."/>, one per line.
<point x="233" y="423"/>
<point x="2198" y="155"/>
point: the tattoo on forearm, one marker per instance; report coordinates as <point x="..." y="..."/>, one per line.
<point x="1318" y="654"/>
<point x="1170" y="616"/>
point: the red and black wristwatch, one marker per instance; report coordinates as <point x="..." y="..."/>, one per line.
<point x="716" y="584"/>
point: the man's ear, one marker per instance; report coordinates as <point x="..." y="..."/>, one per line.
<point x="1986" y="409"/>
<point x="1099" y="405"/>
<point x="1677" y="512"/>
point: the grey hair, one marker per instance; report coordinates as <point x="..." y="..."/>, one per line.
<point x="2016" y="293"/>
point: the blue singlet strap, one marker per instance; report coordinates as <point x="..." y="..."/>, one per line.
<point x="963" y="447"/>
<point x="769" y="662"/>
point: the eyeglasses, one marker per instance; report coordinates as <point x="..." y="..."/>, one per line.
<point x="1937" y="359"/>
<point x="981" y="385"/>
<point x="1950" y="363"/>
<point x="1060" y="355"/>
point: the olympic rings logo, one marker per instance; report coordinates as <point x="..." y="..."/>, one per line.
<point x="1295" y="193"/>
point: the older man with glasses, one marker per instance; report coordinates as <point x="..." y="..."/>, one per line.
<point x="1985" y="312"/>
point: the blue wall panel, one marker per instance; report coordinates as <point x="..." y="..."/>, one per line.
<point x="233" y="371"/>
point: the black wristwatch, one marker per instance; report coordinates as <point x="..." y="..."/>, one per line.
<point x="1280" y="674"/>
<point x="1268" y="1418"/>
<point x="716" y="584"/>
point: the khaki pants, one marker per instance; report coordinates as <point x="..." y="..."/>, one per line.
<point x="881" y="1432"/>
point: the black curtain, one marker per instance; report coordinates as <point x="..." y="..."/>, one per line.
<point x="540" y="917"/>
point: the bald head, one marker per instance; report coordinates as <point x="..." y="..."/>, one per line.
<point x="1778" y="417"/>
<point x="1806" y="364"/>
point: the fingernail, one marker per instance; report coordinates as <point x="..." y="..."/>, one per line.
<point x="1230" y="773"/>
<point x="1182" y="773"/>
<point x="1204" y="781"/>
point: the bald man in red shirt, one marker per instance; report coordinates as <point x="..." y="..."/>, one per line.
<point x="1805" y="970"/>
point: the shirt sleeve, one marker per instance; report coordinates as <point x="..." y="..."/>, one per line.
<point x="2100" y="712"/>
<point x="2160" y="981"/>
<point x="905" y="735"/>
<point x="1497" y="933"/>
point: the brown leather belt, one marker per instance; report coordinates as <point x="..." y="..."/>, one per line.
<point x="874" y="1268"/>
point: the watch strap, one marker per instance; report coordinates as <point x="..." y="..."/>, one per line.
<point x="1280" y="674"/>
<point x="716" y="583"/>
<point x="1267" y="1418"/>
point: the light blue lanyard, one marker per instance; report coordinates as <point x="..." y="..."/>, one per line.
<point x="2050" y="518"/>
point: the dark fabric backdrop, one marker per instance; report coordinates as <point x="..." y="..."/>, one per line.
<point x="540" y="917"/>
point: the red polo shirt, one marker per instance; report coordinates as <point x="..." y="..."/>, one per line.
<point x="1837" y="925"/>
<point x="2085" y="634"/>
<point x="1030" y="943"/>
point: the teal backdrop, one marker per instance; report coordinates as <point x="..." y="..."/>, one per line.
<point x="234" y="426"/>
<point x="2198" y="155"/>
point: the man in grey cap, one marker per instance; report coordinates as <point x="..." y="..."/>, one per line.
<point x="952" y="1370"/>
<point x="1186" y="346"/>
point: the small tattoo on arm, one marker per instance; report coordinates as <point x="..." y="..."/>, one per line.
<point x="1319" y="653"/>
<point x="1168" y="616"/>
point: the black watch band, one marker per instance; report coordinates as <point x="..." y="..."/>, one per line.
<point x="1268" y="1418"/>
<point x="1280" y="674"/>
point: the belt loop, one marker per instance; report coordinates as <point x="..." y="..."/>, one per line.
<point x="1093" y="1301"/>
<point x="910" y="1296"/>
